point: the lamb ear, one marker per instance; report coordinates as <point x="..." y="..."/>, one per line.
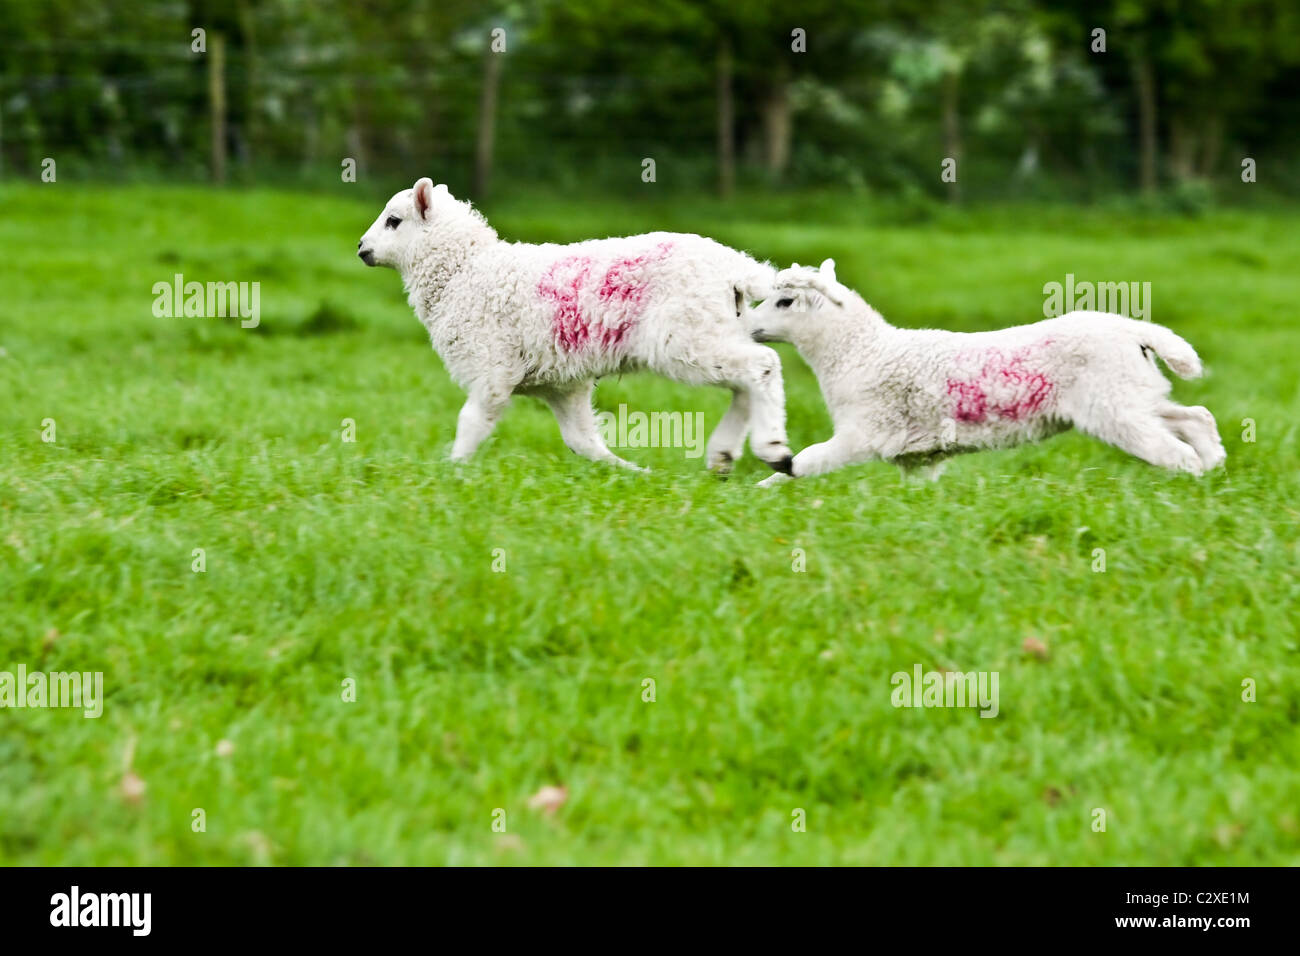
<point x="828" y="269"/>
<point x="423" y="196"/>
<point x="827" y="286"/>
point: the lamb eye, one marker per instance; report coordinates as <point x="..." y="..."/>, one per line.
<point x="784" y="303"/>
<point x="392" y="222"/>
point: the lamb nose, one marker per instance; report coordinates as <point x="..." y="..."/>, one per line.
<point x="359" y="241"/>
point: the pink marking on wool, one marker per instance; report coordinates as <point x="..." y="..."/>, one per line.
<point x="561" y="285"/>
<point x="568" y="279"/>
<point x="971" y="404"/>
<point x="1006" y="385"/>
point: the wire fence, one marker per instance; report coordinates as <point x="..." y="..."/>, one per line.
<point x="119" y="106"/>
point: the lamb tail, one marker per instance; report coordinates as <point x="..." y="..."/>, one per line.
<point x="1176" y="352"/>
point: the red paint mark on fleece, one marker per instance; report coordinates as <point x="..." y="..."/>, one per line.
<point x="620" y="294"/>
<point x="1005" y="385"/>
<point x="972" y="403"/>
<point x="561" y="285"/>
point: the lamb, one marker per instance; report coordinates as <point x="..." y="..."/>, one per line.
<point x="548" y="320"/>
<point x="917" y="397"/>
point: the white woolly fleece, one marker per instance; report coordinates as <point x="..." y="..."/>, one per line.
<point x="547" y="320"/>
<point x="918" y="396"/>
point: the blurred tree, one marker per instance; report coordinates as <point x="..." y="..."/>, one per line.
<point x="1180" y="56"/>
<point x="775" y="46"/>
<point x="937" y="49"/>
<point x="858" y="93"/>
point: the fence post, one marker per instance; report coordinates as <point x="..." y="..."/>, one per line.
<point x="726" y="119"/>
<point x="217" y="102"/>
<point x="487" y="118"/>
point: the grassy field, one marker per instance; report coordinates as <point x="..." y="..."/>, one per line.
<point x="373" y="561"/>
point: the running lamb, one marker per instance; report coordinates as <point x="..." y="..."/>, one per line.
<point x="548" y="320"/>
<point x="916" y="397"/>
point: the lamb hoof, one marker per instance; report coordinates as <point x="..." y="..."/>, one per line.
<point x="784" y="465"/>
<point x="721" y="464"/>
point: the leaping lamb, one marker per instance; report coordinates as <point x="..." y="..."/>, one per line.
<point x="548" y="320"/>
<point x="916" y="397"/>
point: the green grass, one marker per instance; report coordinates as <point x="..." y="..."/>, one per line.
<point x="374" y="561"/>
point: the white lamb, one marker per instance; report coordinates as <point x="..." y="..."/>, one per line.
<point x="915" y="397"/>
<point x="547" y="320"/>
